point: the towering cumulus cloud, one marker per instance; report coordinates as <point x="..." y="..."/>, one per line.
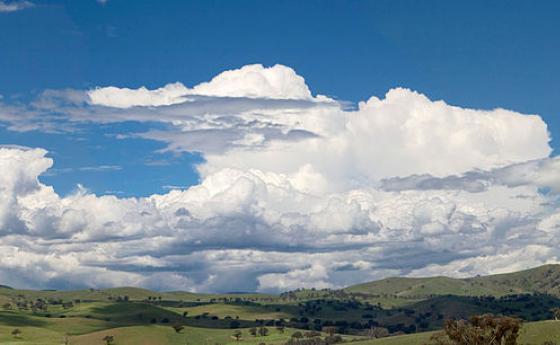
<point x="296" y="191"/>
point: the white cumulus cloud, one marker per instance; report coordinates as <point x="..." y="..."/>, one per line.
<point x="251" y="81"/>
<point x="296" y="190"/>
<point x="240" y="230"/>
<point x="13" y="6"/>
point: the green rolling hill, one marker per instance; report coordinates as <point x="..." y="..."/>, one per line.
<point x="544" y="279"/>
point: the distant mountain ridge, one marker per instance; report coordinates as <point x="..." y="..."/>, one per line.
<point x="544" y="279"/>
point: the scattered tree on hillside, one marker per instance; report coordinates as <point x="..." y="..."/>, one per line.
<point x="311" y="334"/>
<point x="253" y="331"/>
<point x="263" y="331"/>
<point x="109" y="339"/>
<point x="330" y="330"/>
<point x="335" y="339"/>
<point x="377" y="332"/>
<point x="556" y="313"/>
<point x="67" y="305"/>
<point x="315" y="341"/>
<point x="297" y="335"/>
<point x="17" y="333"/>
<point x="177" y="327"/>
<point x="484" y="329"/>
<point x="237" y="335"/>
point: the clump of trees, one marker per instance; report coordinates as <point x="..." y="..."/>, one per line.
<point x="377" y="332"/>
<point x="313" y="338"/>
<point x="484" y="329"/>
<point x="262" y="331"/>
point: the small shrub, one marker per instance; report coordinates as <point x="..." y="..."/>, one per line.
<point x="17" y="333"/>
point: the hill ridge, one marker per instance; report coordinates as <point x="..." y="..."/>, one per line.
<point x="542" y="279"/>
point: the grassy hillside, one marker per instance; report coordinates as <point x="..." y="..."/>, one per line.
<point x="133" y="294"/>
<point x="415" y="287"/>
<point x="544" y="279"/>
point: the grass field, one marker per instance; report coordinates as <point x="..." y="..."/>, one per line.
<point x="534" y="333"/>
<point x="160" y="335"/>
<point x="143" y="335"/>
<point x="244" y="312"/>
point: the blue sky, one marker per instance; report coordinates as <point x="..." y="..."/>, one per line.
<point x="478" y="54"/>
<point x="272" y="145"/>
